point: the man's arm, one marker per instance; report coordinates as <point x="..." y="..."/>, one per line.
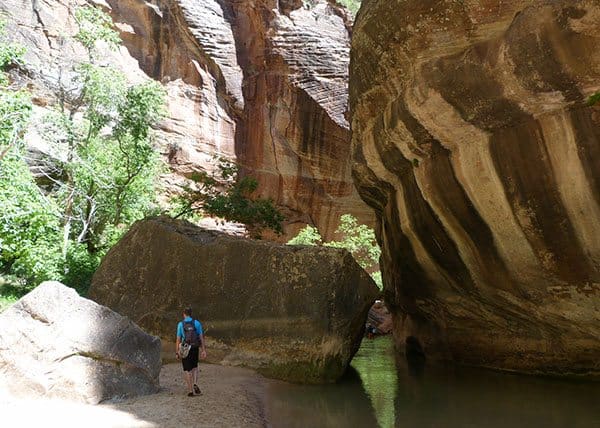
<point x="200" y="331"/>
<point x="177" y="343"/>
<point x="203" y="353"/>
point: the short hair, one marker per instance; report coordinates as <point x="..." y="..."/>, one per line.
<point x="188" y="311"/>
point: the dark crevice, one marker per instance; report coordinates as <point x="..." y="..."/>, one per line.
<point x="36" y="11"/>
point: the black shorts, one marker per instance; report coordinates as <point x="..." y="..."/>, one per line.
<point x="191" y="361"/>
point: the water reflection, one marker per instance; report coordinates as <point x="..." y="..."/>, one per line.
<point x="376" y="366"/>
<point x="462" y="397"/>
<point x="344" y="404"/>
<point x="386" y="392"/>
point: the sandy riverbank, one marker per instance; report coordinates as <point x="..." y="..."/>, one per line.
<point x="231" y="397"/>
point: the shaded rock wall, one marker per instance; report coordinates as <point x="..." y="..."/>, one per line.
<point x="294" y="313"/>
<point x="473" y="141"/>
<point x="262" y="82"/>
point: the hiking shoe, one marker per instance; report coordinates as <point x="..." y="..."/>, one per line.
<point x="197" y="390"/>
<point x="190" y="394"/>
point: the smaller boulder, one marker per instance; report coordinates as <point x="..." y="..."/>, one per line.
<point x="55" y="343"/>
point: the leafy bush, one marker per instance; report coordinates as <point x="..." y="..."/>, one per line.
<point x="79" y="267"/>
<point x="351" y="5"/>
<point x="94" y="26"/>
<point x="11" y="290"/>
<point x="28" y="222"/>
<point x="10" y="53"/>
<point x="226" y="195"/>
<point x="307" y="236"/>
<point x="358" y="239"/>
<point x="29" y="225"/>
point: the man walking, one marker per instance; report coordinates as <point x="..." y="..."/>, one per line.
<point x="190" y="331"/>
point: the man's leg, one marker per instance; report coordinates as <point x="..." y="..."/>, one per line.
<point x="188" y="380"/>
<point x="195" y="375"/>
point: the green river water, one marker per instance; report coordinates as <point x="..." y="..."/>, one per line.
<point x="382" y="392"/>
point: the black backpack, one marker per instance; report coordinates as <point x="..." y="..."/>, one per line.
<point x="190" y="334"/>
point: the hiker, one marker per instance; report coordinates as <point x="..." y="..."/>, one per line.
<point x="189" y="331"/>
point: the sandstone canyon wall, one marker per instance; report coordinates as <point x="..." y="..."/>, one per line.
<point x="474" y="142"/>
<point x="262" y="82"/>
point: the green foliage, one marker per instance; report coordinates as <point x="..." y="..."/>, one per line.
<point x="15" y="109"/>
<point x="358" y="239"/>
<point x="351" y="5"/>
<point x="28" y="229"/>
<point x="594" y="99"/>
<point x="79" y="267"/>
<point x="226" y="195"/>
<point x="378" y="279"/>
<point x="307" y="236"/>
<point x="11" y="290"/>
<point x="28" y="224"/>
<point x="111" y="166"/>
<point x="103" y="91"/>
<point x="10" y="53"/>
<point x="106" y="178"/>
<point x="143" y="107"/>
<point x="95" y="26"/>
<point x="6" y="300"/>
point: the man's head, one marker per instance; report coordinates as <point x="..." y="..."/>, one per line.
<point x="187" y="312"/>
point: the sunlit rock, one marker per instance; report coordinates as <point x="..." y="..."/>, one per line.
<point x="54" y="343"/>
<point x="294" y="313"/>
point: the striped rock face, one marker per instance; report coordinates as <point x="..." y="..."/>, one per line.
<point x="474" y="142"/>
<point x="261" y="82"/>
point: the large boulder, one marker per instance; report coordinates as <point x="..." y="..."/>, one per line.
<point x="295" y="313"/>
<point x="55" y="343"/>
<point x="474" y="141"/>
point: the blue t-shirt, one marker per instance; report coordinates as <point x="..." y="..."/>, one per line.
<point x="188" y="319"/>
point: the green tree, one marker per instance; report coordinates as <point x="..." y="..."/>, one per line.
<point x="226" y="195"/>
<point x="104" y="132"/>
<point x="14" y="106"/>
<point x="28" y="221"/>
<point x="358" y="239"/>
<point x="106" y="173"/>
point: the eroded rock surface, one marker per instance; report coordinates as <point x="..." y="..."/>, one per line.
<point x="261" y="82"/>
<point x="294" y="313"/>
<point x="473" y="141"/>
<point x="54" y="343"/>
